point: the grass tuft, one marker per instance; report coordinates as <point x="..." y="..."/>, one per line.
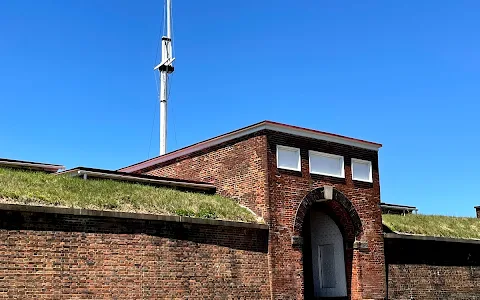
<point x="433" y="225"/>
<point x="27" y="187"/>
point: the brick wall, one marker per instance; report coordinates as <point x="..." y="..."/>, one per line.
<point x="365" y="269"/>
<point x="246" y="170"/>
<point x="62" y="256"/>
<point x="432" y="269"/>
<point x="237" y="168"/>
<point x="433" y="282"/>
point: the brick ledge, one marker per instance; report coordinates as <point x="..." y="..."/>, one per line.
<point x="429" y="238"/>
<point x="125" y="215"/>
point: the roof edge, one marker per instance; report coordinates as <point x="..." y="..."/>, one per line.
<point x="264" y="125"/>
<point x="30" y="165"/>
<point x="399" y="205"/>
<point x="196" y="186"/>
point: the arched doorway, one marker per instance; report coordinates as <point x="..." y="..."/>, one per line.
<point x="327" y="224"/>
<point x="327" y="256"/>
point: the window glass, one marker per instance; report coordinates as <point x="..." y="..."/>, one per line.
<point x="326" y="164"/>
<point x="288" y="158"/>
<point x="361" y="170"/>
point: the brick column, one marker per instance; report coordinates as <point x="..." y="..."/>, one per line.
<point x="356" y="288"/>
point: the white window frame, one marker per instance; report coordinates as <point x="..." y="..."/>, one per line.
<point x="293" y="149"/>
<point x="316" y="153"/>
<point x="361" y="161"/>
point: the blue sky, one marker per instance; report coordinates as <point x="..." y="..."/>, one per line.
<point x="77" y="85"/>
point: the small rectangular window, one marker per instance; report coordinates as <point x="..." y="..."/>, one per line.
<point x="326" y="164"/>
<point x="361" y="170"/>
<point x="288" y="158"/>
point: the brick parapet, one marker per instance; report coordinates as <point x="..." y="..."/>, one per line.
<point x="56" y="255"/>
<point x="432" y="268"/>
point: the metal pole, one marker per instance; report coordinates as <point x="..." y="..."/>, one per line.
<point x="163" y="111"/>
<point x="169" y="13"/>
<point x="165" y="67"/>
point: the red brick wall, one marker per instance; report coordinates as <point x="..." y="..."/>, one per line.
<point x="433" y="282"/>
<point x="430" y="269"/>
<point x="286" y="191"/>
<point x="246" y="170"/>
<point x="55" y="256"/>
<point x="237" y="168"/>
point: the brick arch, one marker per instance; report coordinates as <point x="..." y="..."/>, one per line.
<point x="337" y="203"/>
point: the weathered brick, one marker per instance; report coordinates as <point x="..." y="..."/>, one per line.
<point x="54" y="256"/>
<point x="245" y="169"/>
<point x="429" y="269"/>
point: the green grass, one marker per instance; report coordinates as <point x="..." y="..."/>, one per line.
<point x="432" y="225"/>
<point x="27" y="187"/>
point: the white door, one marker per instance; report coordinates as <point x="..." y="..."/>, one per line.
<point x="328" y="260"/>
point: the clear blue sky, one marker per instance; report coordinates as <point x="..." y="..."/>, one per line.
<point x="77" y="85"/>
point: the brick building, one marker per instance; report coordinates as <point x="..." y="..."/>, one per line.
<point x="323" y="235"/>
<point x="319" y="193"/>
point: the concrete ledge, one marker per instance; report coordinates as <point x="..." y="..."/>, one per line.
<point x="429" y="238"/>
<point x="125" y="215"/>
